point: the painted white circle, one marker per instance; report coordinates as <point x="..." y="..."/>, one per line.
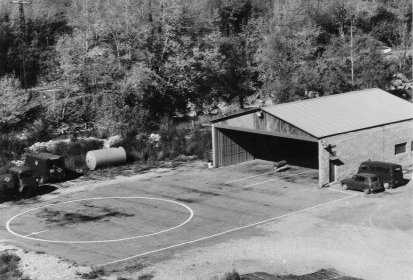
<point x="8" y="224"/>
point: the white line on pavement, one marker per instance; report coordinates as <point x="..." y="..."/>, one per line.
<point x="276" y="179"/>
<point x="225" y="232"/>
<point x="249" y="177"/>
<point x="333" y="190"/>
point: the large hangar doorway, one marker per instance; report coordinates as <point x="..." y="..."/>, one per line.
<point x="235" y="146"/>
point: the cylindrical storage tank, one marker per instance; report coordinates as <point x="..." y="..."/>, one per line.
<point x="105" y="157"/>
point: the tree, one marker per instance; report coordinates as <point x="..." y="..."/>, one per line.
<point x="288" y="55"/>
<point x="239" y="34"/>
<point x="15" y="107"/>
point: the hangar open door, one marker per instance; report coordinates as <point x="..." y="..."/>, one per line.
<point x="233" y="146"/>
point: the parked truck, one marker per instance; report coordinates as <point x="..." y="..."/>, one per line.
<point x="47" y="167"/>
<point x="18" y="182"/>
<point x="38" y="169"/>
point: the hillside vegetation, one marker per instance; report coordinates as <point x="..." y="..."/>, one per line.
<point x="135" y="66"/>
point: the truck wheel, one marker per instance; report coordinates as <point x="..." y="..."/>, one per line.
<point x="344" y="186"/>
<point x="28" y="192"/>
<point x="366" y="191"/>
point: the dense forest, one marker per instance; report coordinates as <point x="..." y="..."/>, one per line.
<point x="133" y="66"/>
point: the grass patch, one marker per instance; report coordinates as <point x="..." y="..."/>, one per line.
<point x="94" y="273"/>
<point x="234" y="275"/>
<point x="135" y="267"/>
<point x="9" y="269"/>
<point x="147" y="276"/>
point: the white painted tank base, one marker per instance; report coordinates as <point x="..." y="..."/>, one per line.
<point x="105" y="157"/>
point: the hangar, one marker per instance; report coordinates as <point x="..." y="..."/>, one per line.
<point x="333" y="134"/>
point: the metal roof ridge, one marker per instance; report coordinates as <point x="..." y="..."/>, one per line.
<point x="368" y="127"/>
<point x="322" y="97"/>
<point x="249" y="110"/>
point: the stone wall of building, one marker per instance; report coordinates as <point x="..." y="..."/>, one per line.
<point x="377" y="144"/>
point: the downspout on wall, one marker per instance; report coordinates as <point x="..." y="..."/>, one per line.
<point x="214" y="146"/>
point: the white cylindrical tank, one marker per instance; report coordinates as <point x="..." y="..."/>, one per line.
<point x="105" y="157"/>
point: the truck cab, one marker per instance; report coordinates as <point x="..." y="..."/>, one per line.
<point x="18" y="182"/>
<point x="47" y="167"/>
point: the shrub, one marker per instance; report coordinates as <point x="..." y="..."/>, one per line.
<point x="94" y="273"/>
<point x="9" y="269"/>
<point x="173" y="142"/>
<point x="75" y="151"/>
<point x="138" y="147"/>
<point x="200" y="143"/>
<point x="234" y="275"/>
<point x="11" y="148"/>
<point x="169" y="142"/>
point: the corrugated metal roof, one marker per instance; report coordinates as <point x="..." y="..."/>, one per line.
<point x="336" y="114"/>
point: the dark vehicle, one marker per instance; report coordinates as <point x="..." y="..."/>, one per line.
<point x="390" y="174"/>
<point x="365" y="182"/>
<point x="18" y="182"/>
<point x="46" y="167"/>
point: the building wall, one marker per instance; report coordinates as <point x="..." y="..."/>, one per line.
<point x="375" y="144"/>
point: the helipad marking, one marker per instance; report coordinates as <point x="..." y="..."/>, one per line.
<point x="191" y="214"/>
<point x="36" y="233"/>
<point x="227" y="231"/>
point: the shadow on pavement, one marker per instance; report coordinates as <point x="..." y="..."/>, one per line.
<point x="45" y="189"/>
<point x="71" y="175"/>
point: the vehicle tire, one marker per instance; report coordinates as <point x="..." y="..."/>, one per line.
<point x="386" y="186"/>
<point x="366" y="191"/>
<point x="344" y="186"/>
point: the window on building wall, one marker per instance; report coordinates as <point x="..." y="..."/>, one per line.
<point x="400" y="148"/>
<point x="411" y="146"/>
